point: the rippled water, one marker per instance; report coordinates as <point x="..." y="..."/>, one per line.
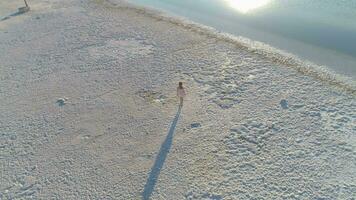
<point x="322" y="31"/>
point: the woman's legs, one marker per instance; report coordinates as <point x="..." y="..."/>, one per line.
<point x="181" y="101"/>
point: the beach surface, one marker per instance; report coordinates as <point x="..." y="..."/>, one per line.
<point x="88" y="110"/>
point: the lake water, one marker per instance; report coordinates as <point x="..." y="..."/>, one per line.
<point x="321" y="31"/>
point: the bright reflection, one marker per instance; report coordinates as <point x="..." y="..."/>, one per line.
<point x="245" y="6"/>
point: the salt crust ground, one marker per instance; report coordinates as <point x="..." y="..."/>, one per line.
<point x="88" y="97"/>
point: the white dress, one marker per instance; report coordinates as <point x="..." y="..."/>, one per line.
<point x="181" y="92"/>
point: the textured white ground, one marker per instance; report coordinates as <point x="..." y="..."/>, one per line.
<point x="87" y="98"/>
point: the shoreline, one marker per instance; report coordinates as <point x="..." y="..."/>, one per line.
<point x="89" y="110"/>
<point x="335" y="60"/>
<point x="269" y="52"/>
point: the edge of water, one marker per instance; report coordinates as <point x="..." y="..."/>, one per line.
<point x="274" y="54"/>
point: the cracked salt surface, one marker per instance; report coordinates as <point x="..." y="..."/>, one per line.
<point x="120" y="67"/>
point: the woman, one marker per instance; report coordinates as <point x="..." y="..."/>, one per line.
<point x="181" y="93"/>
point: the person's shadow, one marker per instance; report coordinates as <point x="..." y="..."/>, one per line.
<point x="160" y="159"/>
<point x="21" y="11"/>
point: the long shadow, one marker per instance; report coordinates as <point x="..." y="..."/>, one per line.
<point x="160" y="159"/>
<point x="13" y="15"/>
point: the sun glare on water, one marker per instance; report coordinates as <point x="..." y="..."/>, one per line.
<point x="245" y="6"/>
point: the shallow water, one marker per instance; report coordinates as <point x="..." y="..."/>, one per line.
<point x="322" y="31"/>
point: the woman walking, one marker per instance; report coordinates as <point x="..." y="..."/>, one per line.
<point x="181" y="93"/>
